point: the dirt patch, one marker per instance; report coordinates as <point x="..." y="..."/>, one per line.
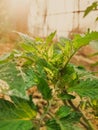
<point x="6" y="47"/>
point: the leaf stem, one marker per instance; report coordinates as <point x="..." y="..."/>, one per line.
<point x="47" y="110"/>
<point x="88" y="124"/>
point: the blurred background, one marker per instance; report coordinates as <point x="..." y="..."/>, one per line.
<point x="41" y="17"/>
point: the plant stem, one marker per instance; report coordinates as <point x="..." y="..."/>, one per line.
<point x="47" y="110"/>
<point x="57" y="121"/>
<point x="88" y="124"/>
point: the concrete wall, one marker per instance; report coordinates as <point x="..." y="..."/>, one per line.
<point x="18" y="11"/>
<point x="65" y="16"/>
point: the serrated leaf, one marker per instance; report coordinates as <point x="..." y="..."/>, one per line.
<point x="69" y="74"/>
<point x="63" y="111"/>
<point x="31" y="78"/>
<point x="16" y="115"/>
<point x="66" y="123"/>
<point x="86" y="88"/>
<point x="12" y="76"/>
<point x="28" y="44"/>
<point x="37" y="76"/>
<point x="43" y="87"/>
<point x="80" y="41"/>
<point x="52" y="125"/>
<point x="72" y="118"/>
<point x="39" y="69"/>
<point x="67" y="117"/>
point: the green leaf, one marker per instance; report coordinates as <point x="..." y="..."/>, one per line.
<point x="63" y="111"/>
<point x="50" y="51"/>
<point x="39" y="40"/>
<point x="65" y="123"/>
<point x="69" y="74"/>
<point x="50" y="37"/>
<point x="90" y="8"/>
<point x="31" y="78"/>
<point x="37" y="76"/>
<point x="52" y="125"/>
<point x="28" y="47"/>
<point x="82" y="40"/>
<point x="28" y="44"/>
<point x="12" y="76"/>
<point x="39" y="69"/>
<point x="86" y="88"/>
<point x="16" y="115"/>
<point x="71" y="119"/>
<point x="43" y="87"/>
<point x="65" y="47"/>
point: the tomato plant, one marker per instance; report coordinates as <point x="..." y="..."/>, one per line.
<point x="45" y="65"/>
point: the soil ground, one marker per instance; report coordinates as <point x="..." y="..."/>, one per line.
<point x="6" y="47"/>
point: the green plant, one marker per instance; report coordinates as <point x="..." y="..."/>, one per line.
<point x="92" y="7"/>
<point x="45" y="65"/>
<point x="94" y="44"/>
